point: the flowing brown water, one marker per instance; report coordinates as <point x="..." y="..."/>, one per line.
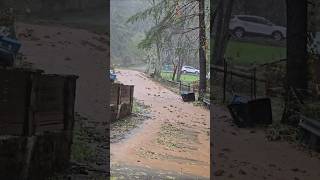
<point x="176" y="138"/>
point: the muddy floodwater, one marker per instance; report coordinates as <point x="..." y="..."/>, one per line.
<point x="174" y="138"/>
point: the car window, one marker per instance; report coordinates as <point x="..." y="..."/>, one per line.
<point x="262" y="21"/>
<point x="244" y="18"/>
<point x="257" y="20"/>
<point x="249" y="19"/>
<point x="269" y="22"/>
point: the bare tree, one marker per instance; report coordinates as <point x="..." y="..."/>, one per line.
<point x="202" y="52"/>
<point x="297" y="56"/>
<point x="222" y="34"/>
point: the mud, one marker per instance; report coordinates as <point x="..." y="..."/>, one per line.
<point x="244" y="154"/>
<point x="60" y="50"/>
<point x="175" y="138"/>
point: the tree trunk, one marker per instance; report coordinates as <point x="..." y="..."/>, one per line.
<point x="174" y="72"/>
<point x="148" y="64"/>
<point x="224" y="10"/>
<point x="297" y="70"/>
<point x="158" y="64"/>
<point x="180" y="64"/>
<point x="217" y="58"/>
<point x="297" y="56"/>
<point x="202" y="53"/>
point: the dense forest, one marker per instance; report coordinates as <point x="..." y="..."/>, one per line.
<point x="50" y="6"/>
<point x="125" y="36"/>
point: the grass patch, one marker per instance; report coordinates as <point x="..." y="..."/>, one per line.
<point x="137" y="107"/>
<point x="247" y="53"/>
<point x="80" y="151"/>
<point x="185" y="78"/>
<point x="278" y="132"/>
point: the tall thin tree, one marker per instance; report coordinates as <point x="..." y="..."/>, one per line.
<point x="202" y="52"/>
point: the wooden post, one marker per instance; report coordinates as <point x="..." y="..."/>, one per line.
<point x="30" y="122"/>
<point x="131" y="97"/>
<point x="225" y="80"/>
<point x="255" y="82"/>
<point x="119" y="94"/>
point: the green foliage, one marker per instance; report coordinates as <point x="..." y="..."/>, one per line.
<point x="312" y="110"/>
<point x="80" y="149"/>
<point x="124" y="36"/>
<point x="153" y="10"/>
<point x="154" y="13"/>
<point x="278" y="132"/>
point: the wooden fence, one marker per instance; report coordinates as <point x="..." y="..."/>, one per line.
<point x="36" y="121"/>
<point x="121" y="100"/>
<point x="32" y="102"/>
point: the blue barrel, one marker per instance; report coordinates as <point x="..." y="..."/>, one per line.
<point x="113" y="77"/>
<point x="10" y="44"/>
<point x="6" y="58"/>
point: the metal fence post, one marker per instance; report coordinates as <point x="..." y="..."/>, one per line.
<point x="255" y="82"/>
<point x="225" y="80"/>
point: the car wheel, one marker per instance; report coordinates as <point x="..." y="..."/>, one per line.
<point x="239" y="32"/>
<point x="277" y="36"/>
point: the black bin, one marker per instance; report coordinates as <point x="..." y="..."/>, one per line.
<point x="251" y="113"/>
<point x="6" y="58"/>
<point x="188" y="96"/>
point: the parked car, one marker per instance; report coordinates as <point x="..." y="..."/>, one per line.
<point x="189" y="69"/>
<point x="241" y="25"/>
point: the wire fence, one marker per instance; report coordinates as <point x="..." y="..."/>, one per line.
<point x="186" y="86"/>
<point x="254" y="82"/>
<point x="250" y="82"/>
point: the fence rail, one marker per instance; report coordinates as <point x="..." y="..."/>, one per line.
<point x="121" y="100"/>
<point x="260" y="80"/>
<point x="32" y="102"/>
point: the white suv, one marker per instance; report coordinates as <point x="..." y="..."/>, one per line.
<point x="241" y="25"/>
<point x="189" y="69"/>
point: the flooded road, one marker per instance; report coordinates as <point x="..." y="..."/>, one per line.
<point x="176" y="136"/>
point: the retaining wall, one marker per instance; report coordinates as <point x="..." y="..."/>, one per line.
<point x="36" y="123"/>
<point x="121" y="100"/>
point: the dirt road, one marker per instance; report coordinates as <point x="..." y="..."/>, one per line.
<point x="175" y="138"/>
<point x="59" y="49"/>
<point x="244" y="154"/>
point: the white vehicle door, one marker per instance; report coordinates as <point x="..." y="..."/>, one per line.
<point x="270" y="28"/>
<point x="249" y="24"/>
<point x="258" y="25"/>
<point x="265" y="26"/>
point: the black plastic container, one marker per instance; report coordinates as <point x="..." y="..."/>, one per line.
<point x="251" y="113"/>
<point x="188" y="96"/>
<point x="6" y="58"/>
